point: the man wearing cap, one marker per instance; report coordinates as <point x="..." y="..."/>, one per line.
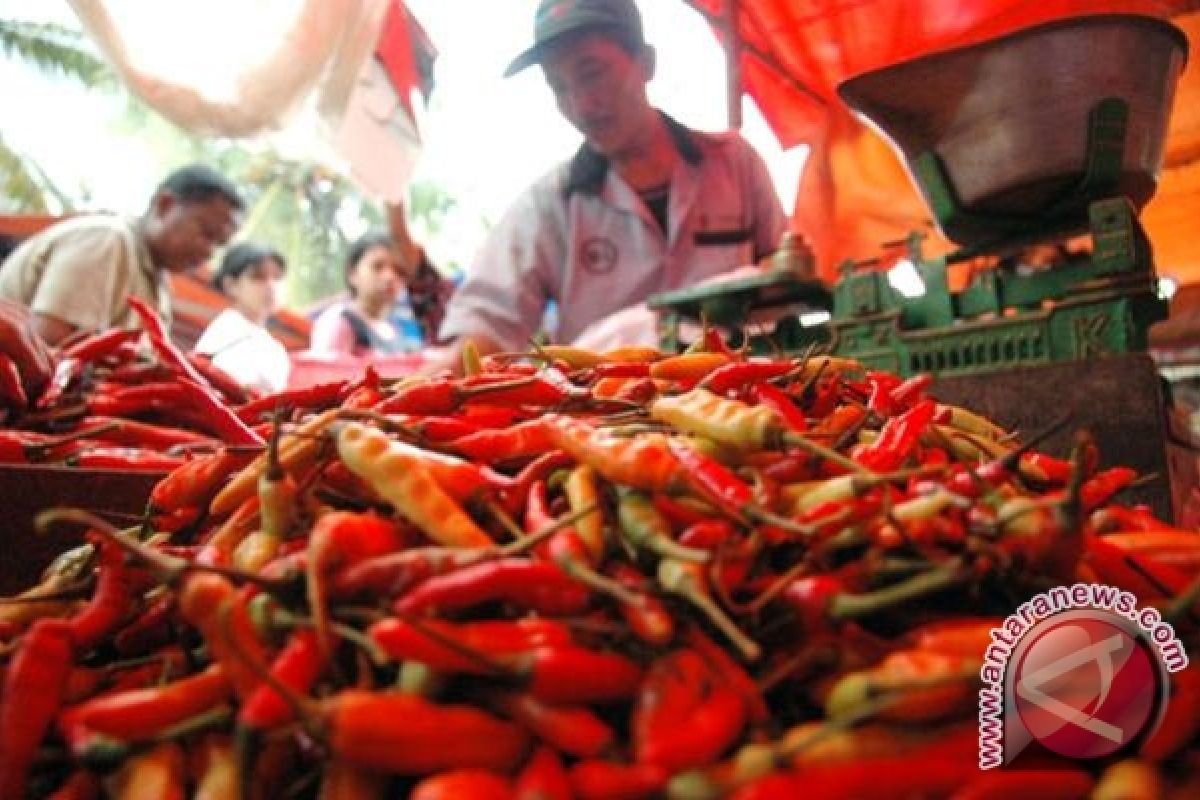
<point x="646" y="205"/>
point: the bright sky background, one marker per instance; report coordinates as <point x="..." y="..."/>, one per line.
<point x="486" y="138"/>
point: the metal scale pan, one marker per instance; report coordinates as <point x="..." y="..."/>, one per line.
<point x="1009" y="121"/>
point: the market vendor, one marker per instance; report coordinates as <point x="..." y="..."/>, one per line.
<point x="645" y="205"/>
<point x="76" y="275"/>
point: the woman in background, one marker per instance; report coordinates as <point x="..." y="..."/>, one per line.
<point x="237" y="341"/>
<point x="380" y="269"/>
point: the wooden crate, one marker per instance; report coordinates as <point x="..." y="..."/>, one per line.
<point x="120" y="496"/>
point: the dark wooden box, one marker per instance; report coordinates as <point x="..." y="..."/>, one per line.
<point x="26" y="490"/>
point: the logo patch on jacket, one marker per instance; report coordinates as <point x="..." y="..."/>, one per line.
<point x="598" y="255"/>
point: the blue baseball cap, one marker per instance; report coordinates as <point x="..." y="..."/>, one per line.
<point x="555" y="18"/>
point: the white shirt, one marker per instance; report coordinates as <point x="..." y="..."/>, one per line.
<point x="82" y="270"/>
<point x="251" y="355"/>
<point x="582" y="237"/>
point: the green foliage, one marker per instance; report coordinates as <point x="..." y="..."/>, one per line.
<point x="55" y="50"/>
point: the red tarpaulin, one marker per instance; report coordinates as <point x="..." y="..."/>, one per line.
<point x="855" y="192"/>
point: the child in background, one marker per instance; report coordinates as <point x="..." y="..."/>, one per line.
<point x="250" y="277"/>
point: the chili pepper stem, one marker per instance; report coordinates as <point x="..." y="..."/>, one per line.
<point x="213" y="718"/>
<point x="529" y="541"/>
<point x="283" y="617"/>
<point x="582" y="572"/>
<point x="676" y="578"/>
<point x="171" y="569"/>
<point x="824" y="453"/>
<point x="847" y="606"/>
<point x="302" y="708"/>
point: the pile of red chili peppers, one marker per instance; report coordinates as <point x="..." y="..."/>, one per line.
<point x="115" y="404"/>
<point x="574" y="575"/>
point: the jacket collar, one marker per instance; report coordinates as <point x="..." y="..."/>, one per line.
<point x="588" y="168"/>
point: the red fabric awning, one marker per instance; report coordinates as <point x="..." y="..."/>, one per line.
<point x="855" y="192"/>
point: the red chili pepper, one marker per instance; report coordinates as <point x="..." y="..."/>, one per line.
<point x="546" y="389"/>
<point x="160" y="340"/>
<point x="1101" y="487"/>
<point x="405" y="734"/>
<point x="543" y="777"/>
<point x="524" y="440"/>
<point x="310" y="398"/>
<point x="111" y="604"/>
<point x="33" y="688"/>
<point x="620" y="369"/>
<point x="699" y="739"/>
<point x="650" y="620"/>
<point x="340" y="540"/>
<point x="136" y="715"/>
<point x="297" y="666"/>
<point x="81" y="785"/>
<point x="730" y="673"/>
<point x="672" y="686"/>
<point x="898" y="438"/>
<point x="879" y="398"/>
<point x="124" y="458"/>
<point x="22" y="447"/>
<point x="222" y="421"/>
<point x="1000" y="784"/>
<point x="911" y="391"/>
<point x="218" y="610"/>
<point x="98" y="345"/>
<point x="610" y="780"/>
<point x="782" y="404"/>
<point x="476" y="784"/>
<point x="126" y="401"/>
<point x="445" y="646"/>
<point x="195" y="483"/>
<point x="776" y="786"/>
<point x="218" y="378"/>
<point x="151" y="629"/>
<point x="679" y="514"/>
<point x="534" y="585"/>
<point x="716" y="481"/>
<point x="1181" y="721"/>
<point x="1045" y="469"/>
<point x="1145" y="577"/>
<point x="570" y="674"/>
<point x="571" y="729"/>
<point x="435" y="429"/>
<point x="140" y="434"/>
<point x="739" y="374"/>
<point x="442" y="396"/>
<point x="12" y="391"/>
<point x="809" y="598"/>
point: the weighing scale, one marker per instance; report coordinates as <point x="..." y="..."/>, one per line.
<point x="1028" y="140"/>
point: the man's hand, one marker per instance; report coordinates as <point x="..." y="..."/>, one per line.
<point x="21" y="343"/>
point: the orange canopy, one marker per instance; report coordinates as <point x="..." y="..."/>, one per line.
<point x="855" y="193"/>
